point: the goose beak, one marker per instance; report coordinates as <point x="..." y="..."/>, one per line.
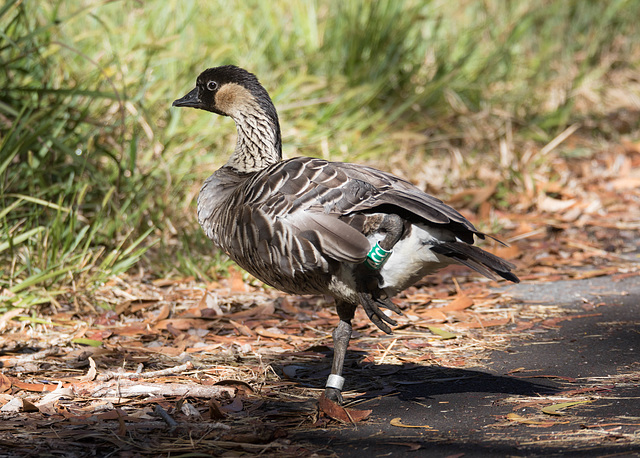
<point x="192" y="99"/>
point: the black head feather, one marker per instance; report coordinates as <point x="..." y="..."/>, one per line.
<point x="210" y="81"/>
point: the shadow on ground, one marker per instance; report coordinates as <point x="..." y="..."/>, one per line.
<point x="590" y="357"/>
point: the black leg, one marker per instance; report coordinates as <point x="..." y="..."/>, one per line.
<point x="393" y="226"/>
<point x="341" y="337"/>
<point x="371" y="298"/>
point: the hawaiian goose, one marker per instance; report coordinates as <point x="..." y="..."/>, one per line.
<point x="310" y="226"/>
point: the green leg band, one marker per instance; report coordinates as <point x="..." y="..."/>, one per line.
<point x="376" y="257"/>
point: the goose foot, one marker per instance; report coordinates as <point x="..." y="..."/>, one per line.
<point x="372" y="306"/>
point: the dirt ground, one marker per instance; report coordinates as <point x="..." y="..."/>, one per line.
<point x="176" y="367"/>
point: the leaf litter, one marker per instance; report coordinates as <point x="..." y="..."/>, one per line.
<point x="231" y="367"/>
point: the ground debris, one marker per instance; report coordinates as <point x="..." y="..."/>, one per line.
<point x="234" y="367"/>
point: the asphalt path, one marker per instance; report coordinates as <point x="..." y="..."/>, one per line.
<point x="592" y="358"/>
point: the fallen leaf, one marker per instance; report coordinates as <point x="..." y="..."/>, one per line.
<point x="160" y="282"/>
<point x="413" y="446"/>
<point x="122" y="426"/>
<point x="237" y="284"/>
<point x="551" y="205"/>
<point x="272" y="335"/>
<point x="529" y="421"/>
<point x="91" y="373"/>
<point x="555" y="408"/>
<point x="239" y="385"/>
<point x="59" y="392"/>
<point x="215" y="411"/>
<point x="459" y="303"/>
<point x="162" y="315"/>
<point x="234" y="406"/>
<point x="37" y="387"/>
<point x="242" y="329"/>
<point x="337" y="412"/>
<point x="5" y="383"/>
<point x="442" y="333"/>
<point x="181" y="324"/>
<point x="626" y="183"/>
<point x="434" y="314"/>
<point x="13" y="406"/>
<point x="85" y="341"/>
<point x="27" y="406"/>
<point x="398" y="422"/>
<point x="506" y="252"/>
<point x="263" y="310"/>
<point x="190" y="411"/>
<point x="483" y="323"/>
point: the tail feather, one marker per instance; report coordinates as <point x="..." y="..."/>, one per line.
<point x="477" y="259"/>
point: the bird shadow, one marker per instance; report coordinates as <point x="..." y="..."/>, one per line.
<point x="407" y="381"/>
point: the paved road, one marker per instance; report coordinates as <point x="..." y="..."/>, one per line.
<point x="595" y="357"/>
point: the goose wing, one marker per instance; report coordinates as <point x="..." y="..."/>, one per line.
<point x="311" y="200"/>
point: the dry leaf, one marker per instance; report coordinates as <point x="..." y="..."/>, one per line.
<point x="215" y="410"/>
<point x="37" y="387"/>
<point x="551" y="205"/>
<point x="236" y="281"/>
<point x="459" y="303"/>
<point x="59" y="392"/>
<point x="337" y="412"/>
<point x="413" y="446"/>
<point x="13" y="406"/>
<point x="442" y="333"/>
<point x="556" y="408"/>
<point x="243" y="329"/>
<point x="91" y="373"/>
<point x="398" y="422"/>
<point x="272" y="335"/>
<point x="506" y="252"/>
<point x="27" y="406"/>
<point x="234" y="406"/>
<point x="190" y="411"/>
<point x="5" y="383"/>
<point x="239" y="385"/>
<point x="261" y="311"/>
<point x="529" y="421"/>
<point x="434" y="314"/>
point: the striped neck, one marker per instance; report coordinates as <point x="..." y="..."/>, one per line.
<point x="259" y="144"/>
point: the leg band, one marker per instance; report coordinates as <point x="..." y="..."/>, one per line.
<point x="376" y="257"/>
<point x="335" y="381"/>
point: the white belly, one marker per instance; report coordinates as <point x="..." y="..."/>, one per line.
<point x="412" y="258"/>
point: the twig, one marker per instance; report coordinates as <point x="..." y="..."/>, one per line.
<point x="559" y="139"/>
<point x="169" y="371"/>
<point x="128" y="389"/>
<point x="386" y="352"/>
<point x="38" y="355"/>
<point x="165" y="416"/>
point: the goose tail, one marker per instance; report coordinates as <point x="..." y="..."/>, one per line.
<point x="477" y="259"/>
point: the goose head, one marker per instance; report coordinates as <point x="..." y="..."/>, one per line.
<point x="232" y="91"/>
<point x="228" y="91"/>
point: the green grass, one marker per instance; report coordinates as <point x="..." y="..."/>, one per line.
<point x="98" y="173"/>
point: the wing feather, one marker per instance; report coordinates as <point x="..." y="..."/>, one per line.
<point x="306" y="204"/>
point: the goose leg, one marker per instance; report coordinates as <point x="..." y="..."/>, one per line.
<point x="393" y="226"/>
<point x="341" y="337"/>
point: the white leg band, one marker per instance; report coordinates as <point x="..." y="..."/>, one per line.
<point x="335" y="381"/>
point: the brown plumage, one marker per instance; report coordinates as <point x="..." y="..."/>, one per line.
<point x="307" y="225"/>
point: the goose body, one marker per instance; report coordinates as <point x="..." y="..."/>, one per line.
<point x="311" y="226"/>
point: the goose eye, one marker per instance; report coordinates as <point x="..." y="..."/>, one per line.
<point x="212" y="85"/>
